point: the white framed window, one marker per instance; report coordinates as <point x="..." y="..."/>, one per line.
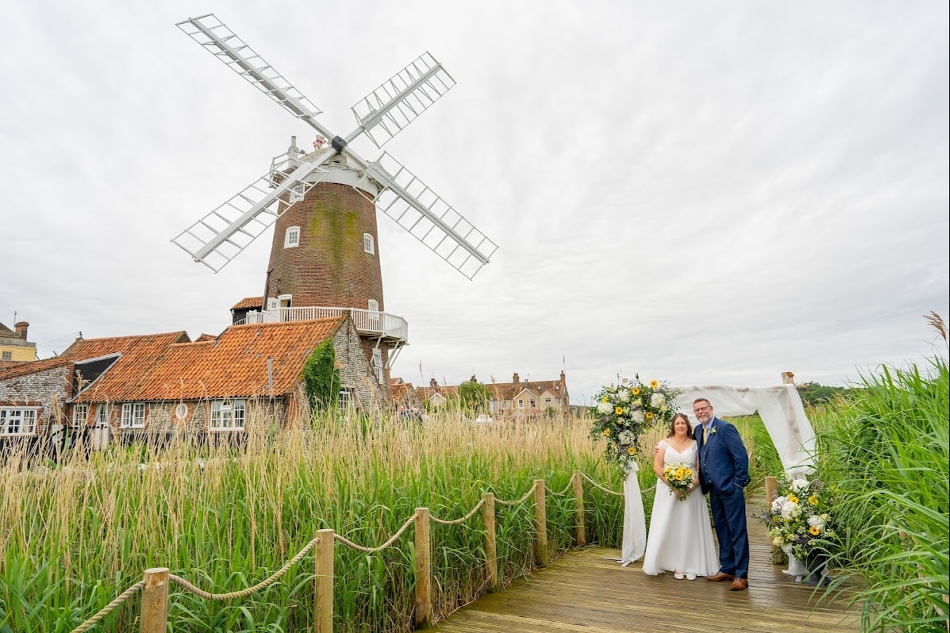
<point x="80" y="414"/>
<point x="181" y="411"/>
<point x="297" y="193"/>
<point x="372" y="307"/>
<point x="227" y="415"/>
<point x="272" y="304"/>
<point x="369" y="244"/>
<point x="18" y="421"/>
<point x="7" y="355"/>
<point x="133" y="415"/>
<point x="378" y="364"/>
<point x="103" y="413"/>
<point x="345" y="400"/>
<point x="547" y="401"/>
<point x="521" y="404"/>
<point x="292" y="237"/>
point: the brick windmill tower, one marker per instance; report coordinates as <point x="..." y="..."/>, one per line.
<point x="325" y="253"/>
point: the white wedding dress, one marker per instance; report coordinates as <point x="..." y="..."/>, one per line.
<point x="680" y="537"/>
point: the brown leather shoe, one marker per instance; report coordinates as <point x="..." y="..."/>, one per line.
<point x="739" y="584"/>
<point x="719" y="577"/>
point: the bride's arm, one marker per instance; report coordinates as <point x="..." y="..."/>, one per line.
<point x="658" y="463"/>
<point x="695" y="473"/>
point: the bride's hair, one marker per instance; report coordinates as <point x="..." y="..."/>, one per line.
<point x="689" y="427"/>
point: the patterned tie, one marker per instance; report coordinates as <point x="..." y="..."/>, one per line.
<point x="705" y="430"/>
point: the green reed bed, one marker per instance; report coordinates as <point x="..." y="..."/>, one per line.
<point x="884" y="453"/>
<point x="75" y="536"/>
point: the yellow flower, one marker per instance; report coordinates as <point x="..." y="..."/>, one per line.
<point x="814" y="531"/>
<point x="605" y="399"/>
<point x="793" y="498"/>
<point x="649" y="415"/>
<point x="679" y="476"/>
<point x="607" y="432"/>
<point x="618" y="410"/>
<point x="777" y="519"/>
<point x="632" y="450"/>
<point x="813" y="500"/>
<point x="654" y="384"/>
<point x="635" y="391"/>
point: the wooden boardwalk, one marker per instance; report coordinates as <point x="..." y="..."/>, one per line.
<point x="584" y="591"/>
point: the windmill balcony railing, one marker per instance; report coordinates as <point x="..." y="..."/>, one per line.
<point x="383" y="324"/>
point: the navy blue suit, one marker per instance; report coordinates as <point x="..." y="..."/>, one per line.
<point x="724" y="473"/>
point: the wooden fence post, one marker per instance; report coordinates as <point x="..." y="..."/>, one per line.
<point x="154" y="614"/>
<point x="423" y="570"/>
<point x="770" y="487"/>
<point x="323" y="583"/>
<point x="491" y="552"/>
<point x="540" y="524"/>
<point x="579" y="509"/>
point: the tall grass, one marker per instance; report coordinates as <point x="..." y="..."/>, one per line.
<point x="73" y="537"/>
<point x="884" y="454"/>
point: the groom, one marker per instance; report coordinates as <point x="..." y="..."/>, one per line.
<point x="723" y="473"/>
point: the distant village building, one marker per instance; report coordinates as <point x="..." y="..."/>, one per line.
<point x="404" y="394"/>
<point x="167" y="383"/>
<point x="14" y="348"/>
<point x="513" y="401"/>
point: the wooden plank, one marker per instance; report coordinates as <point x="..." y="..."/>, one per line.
<point x="584" y="591"/>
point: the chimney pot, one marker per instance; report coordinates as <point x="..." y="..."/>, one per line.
<point x="515" y="378"/>
<point x="434" y="383"/>
<point x="21" y="327"/>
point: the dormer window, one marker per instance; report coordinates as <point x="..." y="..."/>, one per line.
<point x="292" y="237"/>
<point x="297" y="193"/>
<point x="369" y="244"/>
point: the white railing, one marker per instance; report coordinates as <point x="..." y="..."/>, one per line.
<point x="369" y="321"/>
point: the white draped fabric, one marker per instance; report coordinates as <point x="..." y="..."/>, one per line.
<point x="634" y="521"/>
<point x="780" y="408"/>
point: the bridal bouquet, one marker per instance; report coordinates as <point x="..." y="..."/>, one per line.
<point x="680" y="478"/>
<point x="622" y="413"/>
<point x="799" y="516"/>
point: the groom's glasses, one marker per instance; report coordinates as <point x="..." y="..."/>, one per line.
<point x="698" y="409"/>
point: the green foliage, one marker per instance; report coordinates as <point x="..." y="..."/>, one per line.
<point x="321" y="377"/>
<point x="885" y="453"/>
<point x="474" y="397"/>
<point x="813" y="394"/>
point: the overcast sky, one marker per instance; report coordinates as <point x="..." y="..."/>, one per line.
<point x="698" y="192"/>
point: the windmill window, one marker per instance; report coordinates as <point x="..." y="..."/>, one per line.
<point x="372" y="307"/>
<point x="18" y="421"/>
<point x="297" y="193"/>
<point x="80" y="413"/>
<point x="378" y="364"/>
<point x="227" y="415"/>
<point x="292" y="237"/>
<point x="369" y="244"/>
<point x="133" y="415"/>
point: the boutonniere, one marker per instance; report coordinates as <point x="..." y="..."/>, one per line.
<point x="713" y="430"/>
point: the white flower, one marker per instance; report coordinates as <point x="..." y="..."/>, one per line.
<point x="798" y="485"/>
<point x="637" y="416"/>
<point x="623" y="395"/>
<point x="626" y="437"/>
<point x="790" y="510"/>
<point x="816" y="522"/>
<point x="637" y="403"/>
<point x="657" y="399"/>
<point x="778" y="541"/>
<point x="778" y="504"/>
<point x="604" y="407"/>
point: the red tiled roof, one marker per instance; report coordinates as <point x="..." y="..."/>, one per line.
<point x="30" y="367"/>
<point x="205" y="337"/>
<point x="248" y="303"/>
<point x="232" y="365"/>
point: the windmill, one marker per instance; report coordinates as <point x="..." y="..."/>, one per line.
<point x="324" y="256"/>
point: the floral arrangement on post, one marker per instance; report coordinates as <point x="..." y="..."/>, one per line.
<point x="799" y="517"/>
<point x="622" y="413"/>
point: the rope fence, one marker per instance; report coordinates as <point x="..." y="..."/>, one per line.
<point x="155" y="583"/>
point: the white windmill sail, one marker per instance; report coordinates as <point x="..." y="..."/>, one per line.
<point x="384" y="112"/>
<point x="217" y="238"/>
<point x="428" y="218"/>
<point x="220" y="41"/>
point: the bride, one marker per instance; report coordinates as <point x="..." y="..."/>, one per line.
<point x="680" y="537"/>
